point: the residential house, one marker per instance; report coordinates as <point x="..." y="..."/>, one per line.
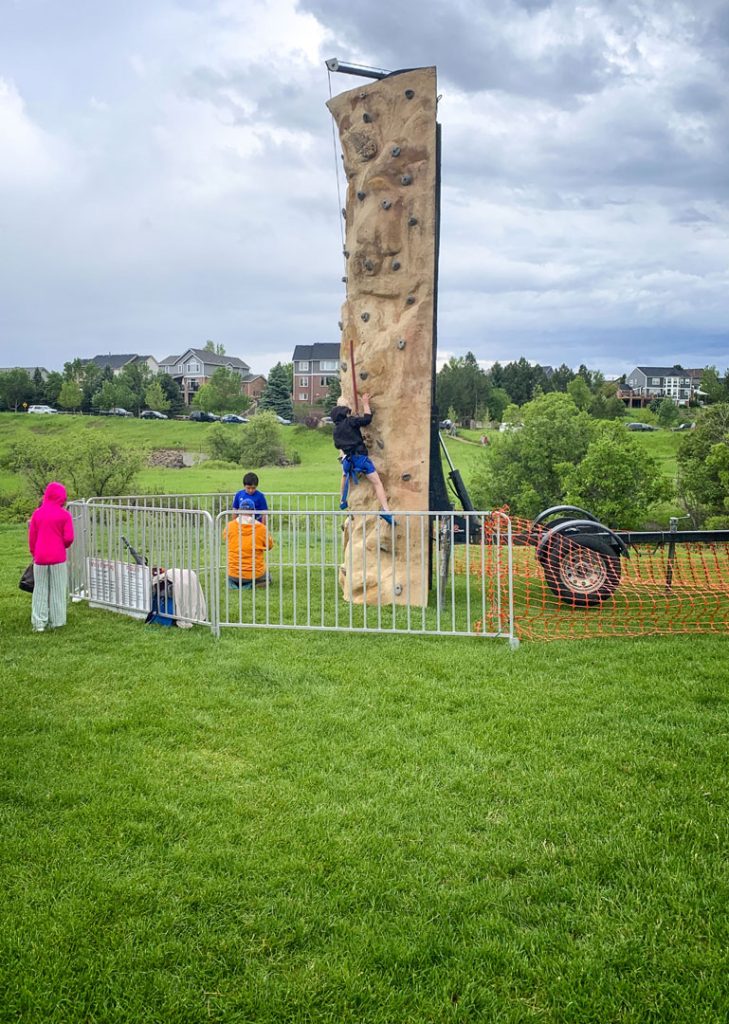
<point x="196" y="366"/>
<point x="645" y="383"/>
<point x="253" y="386"/>
<point x="117" y="362"/>
<point x="314" y="368"/>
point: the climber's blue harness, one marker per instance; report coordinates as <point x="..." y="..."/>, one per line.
<point x="352" y="465"/>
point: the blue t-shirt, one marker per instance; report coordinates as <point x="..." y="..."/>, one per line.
<point x="258" y="499"/>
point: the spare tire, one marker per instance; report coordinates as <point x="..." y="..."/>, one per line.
<point x="578" y="574"/>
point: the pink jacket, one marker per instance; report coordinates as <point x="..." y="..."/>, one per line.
<point x="51" y="528"/>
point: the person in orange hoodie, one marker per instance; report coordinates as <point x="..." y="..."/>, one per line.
<point x="247" y="542"/>
<point x="50" y="534"/>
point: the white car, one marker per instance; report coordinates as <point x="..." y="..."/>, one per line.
<point x="41" y="409"/>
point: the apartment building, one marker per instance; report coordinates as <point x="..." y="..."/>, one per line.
<point x="314" y="367"/>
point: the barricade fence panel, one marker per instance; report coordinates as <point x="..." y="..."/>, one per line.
<point x="353" y="571"/>
<point x="306" y="565"/>
<point x="145" y="561"/>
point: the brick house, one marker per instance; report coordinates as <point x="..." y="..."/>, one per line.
<point x="314" y="367"/>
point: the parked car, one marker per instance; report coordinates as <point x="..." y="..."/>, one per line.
<point x="116" y="411"/>
<point x="685" y="426"/>
<point x="283" y="422"/>
<point x="198" y="416"/>
<point x="41" y="409"/>
<point x="233" y="417"/>
<point x="640" y="426"/>
<point x="152" y="414"/>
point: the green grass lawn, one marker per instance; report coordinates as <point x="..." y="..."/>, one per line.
<point x="299" y="827"/>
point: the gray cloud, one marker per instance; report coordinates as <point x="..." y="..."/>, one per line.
<point x="170" y="178"/>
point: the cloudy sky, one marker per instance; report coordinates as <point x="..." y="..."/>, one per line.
<point x="168" y="176"/>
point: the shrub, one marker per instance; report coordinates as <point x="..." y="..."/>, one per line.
<point x="223" y="443"/>
<point x="261" y="442"/>
<point x="86" y="462"/>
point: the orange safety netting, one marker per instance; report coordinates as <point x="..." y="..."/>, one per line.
<point x="563" y="590"/>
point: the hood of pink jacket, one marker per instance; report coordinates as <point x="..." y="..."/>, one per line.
<point x="55" y="494"/>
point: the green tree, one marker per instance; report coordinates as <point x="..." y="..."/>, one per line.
<point x="156" y="398"/>
<point x="702" y="457"/>
<point x="712" y="386"/>
<point x="261" y="442"/>
<point x="667" y="413"/>
<point x="16" y="387"/>
<point x="52" y="387"/>
<point x="615" y="480"/>
<point x="522" y="471"/>
<point x="38" y="389"/>
<point x="277" y="393"/>
<point x="135" y="378"/>
<point x="111" y="395"/>
<point x="561" y="377"/>
<point x="222" y="393"/>
<point x="579" y="392"/>
<point x="462" y="385"/>
<point x="498" y="400"/>
<point x="172" y="393"/>
<point x="71" y="395"/>
<point x="88" y="462"/>
<point x="210" y="346"/>
<point x="334" y="393"/>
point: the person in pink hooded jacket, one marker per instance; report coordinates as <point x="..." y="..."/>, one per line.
<point x="50" y="533"/>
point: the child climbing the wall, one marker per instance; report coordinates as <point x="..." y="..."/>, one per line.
<point x="348" y="438"/>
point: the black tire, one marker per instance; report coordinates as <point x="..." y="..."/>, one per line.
<point x="580" y="576"/>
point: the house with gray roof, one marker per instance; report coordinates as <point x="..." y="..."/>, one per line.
<point x="196" y="366"/>
<point x="116" y="363"/>
<point x="649" y="382"/>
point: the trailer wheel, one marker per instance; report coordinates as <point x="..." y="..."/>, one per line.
<point x="580" y="576"/>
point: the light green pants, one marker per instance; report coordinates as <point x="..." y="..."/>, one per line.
<point x="49" y="596"/>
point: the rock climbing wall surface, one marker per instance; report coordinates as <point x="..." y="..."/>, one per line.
<point x="388" y="134"/>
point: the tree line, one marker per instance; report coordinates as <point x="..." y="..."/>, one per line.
<point x="466" y="392"/>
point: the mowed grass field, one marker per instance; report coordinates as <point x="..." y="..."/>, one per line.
<point x="292" y="827"/>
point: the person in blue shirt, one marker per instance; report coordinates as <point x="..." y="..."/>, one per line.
<point x="250" y="492"/>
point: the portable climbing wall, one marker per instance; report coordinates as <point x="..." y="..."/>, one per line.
<point x="389" y="144"/>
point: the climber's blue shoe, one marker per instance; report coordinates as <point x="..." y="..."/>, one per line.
<point x="388" y="518"/>
<point x="343" y="506"/>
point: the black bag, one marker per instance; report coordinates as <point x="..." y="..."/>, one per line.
<point x="27" y="580"/>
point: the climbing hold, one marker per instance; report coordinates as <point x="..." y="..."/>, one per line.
<point x="361" y="195"/>
<point x="401" y="343"/>
<point x="406" y="179"/>
<point x="369" y="265"/>
<point x="341" y="325"/>
<point x="412" y="221"/>
<point x="344" y="279"/>
<point x="344" y="366"/>
<point x="395" y="265"/>
<point x="398" y="588"/>
<point x="365" y="317"/>
<point x="366" y="118"/>
<point x="410" y="300"/>
<point x="409" y="93"/>
<point x="395" y="151"/>
<point x="363" y="374"/>
<point x="346" y="254"/>
<point x="363" y="95"/>
<point x="344" y="214"/>
<point x="386" y="204"/>
<point x="406" y="476"/>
